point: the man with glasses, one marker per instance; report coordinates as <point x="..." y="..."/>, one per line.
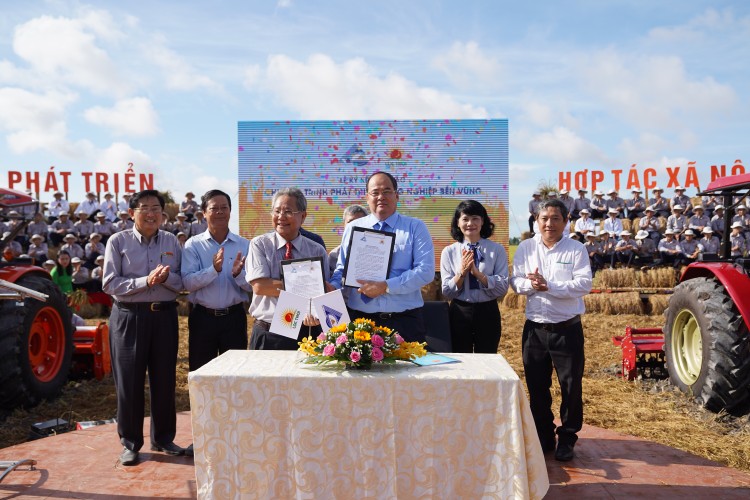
<point x="397" y="302"/>
<point x="142" y="274"/>
<point x="263" y="266"/>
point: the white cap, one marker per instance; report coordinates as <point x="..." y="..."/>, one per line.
<point x="679" y="188"/>
<point x="584" y="211"/>
<point x="611" y="233"/>
<point x="552" y="193"/>
<point x="707" y="230"/>
<point x="36" y="237"/>
<point x="612" y="191"/>
<point x="689" y="232"/>
<point x="741" y="207"/>
<point x="657" y="188"/>
<point x="95" y="235"/>
<point x="590" y="234"/>
<point x="100" y="258"/>
<point x="75" y="260"/>
<point x="613" y="211"/>
<point x="649" y="209"/>
<point x="122" y="212"/>
<point x="536" y="193"/>
<point x="70" y="236"/>
<point x="582" y="190"/>
<point x="564" y="191"/>
<point x="641" y="235"/>
<point x="49" y="262"/>
<point x="719" y="207"/>
<point x="737" y="224"/>
<point x="598" y="193"/>
<point x="668" y="231"/>
<point x="677" y="207"/>
<point x="635" y="190"/>
<point x="625" y="233"/>
<point x="698" y="207"/>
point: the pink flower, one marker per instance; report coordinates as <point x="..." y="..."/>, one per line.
<point x="355" y="356"/>
<point x="329" y="350"/>
<point x="377" y="341"/>
<point x="322" y="337"/>
<point x="399" y="339"/>
<point x="341" y="339"/>
<point x="377" y="354"/>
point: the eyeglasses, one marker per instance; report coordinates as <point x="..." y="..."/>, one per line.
<point x="284" y="213"/>
<point x="384" y="192"/>
<point x="149" y="210"/>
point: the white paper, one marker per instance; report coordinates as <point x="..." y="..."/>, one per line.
<point x="304" y="278"/>
<point x="290" y="311"/>
<point x="368" y="258"/>
<point x="330" y="310"/>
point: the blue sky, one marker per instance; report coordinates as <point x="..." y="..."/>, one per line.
<point x="585" y="85"/>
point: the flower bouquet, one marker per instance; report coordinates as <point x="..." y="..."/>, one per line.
<point x="358" y="344"/>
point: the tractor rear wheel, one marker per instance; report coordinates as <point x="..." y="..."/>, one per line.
<point x="36" y="345"/>
<point x="707" y="346"/>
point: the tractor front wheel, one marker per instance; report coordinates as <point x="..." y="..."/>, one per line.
<point x="707" y="346"/>
<point x="36" y="345"/>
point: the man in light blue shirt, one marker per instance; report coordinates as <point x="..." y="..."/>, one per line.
<point x="213" y="271"/>
<point x="396" y="302"/>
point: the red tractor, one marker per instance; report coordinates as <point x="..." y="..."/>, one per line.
<point x="36" y="330"/>
<point x="706" y="338"/>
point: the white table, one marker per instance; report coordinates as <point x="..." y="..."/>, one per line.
<point x="267" y="426"/>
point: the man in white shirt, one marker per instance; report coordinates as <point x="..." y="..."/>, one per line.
<point x="554" y="274"/>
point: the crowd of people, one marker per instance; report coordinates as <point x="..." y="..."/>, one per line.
<point x="645" y="233"/>
<point x="70" y="244"/>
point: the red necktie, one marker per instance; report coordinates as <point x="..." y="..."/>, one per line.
<point x="288" y="253"/>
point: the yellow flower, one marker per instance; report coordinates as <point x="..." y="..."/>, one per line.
<point x="338" y="329"/>
<point x="361" y="335"/>
<point x="308" y="346"/>
<point x="410" y="350"/>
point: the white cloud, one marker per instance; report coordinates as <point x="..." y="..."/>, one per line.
<point x="284" y="3"/>
<point x="253" y="74"/>
<point x="65" y="50"/>
<point x="466" y="65"/>
<point x="700" y="27"/>
<point x="132" y="117"/>
<point x="319" y="88"/>
<point x="178" y="74"/>
<point x="560" y="144"/>
<point x="655" y="91"/>
<point x="37" y="121"/>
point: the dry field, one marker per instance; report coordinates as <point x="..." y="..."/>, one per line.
<point x="653" y="411"/>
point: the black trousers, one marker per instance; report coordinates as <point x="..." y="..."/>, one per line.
<point x="409" y="324"/>
<point x="212" y="332"/>
<point x="140" y="341"/>
<point x="475" y="326"/>
<point x="559" y="346"/>
<point x="262" y="339"/>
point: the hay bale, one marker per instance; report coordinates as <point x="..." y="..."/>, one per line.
<point x="617" y="278"/>
<point x="657" y="304"/>
<point x="432" y="291"/>
<point x="89" y="311"/>
<point x="614" y="303"/>
<point x="660" y="277"/>
<point x="514" y="301"/>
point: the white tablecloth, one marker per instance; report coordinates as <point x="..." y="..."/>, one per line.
<point x="267" y="426"/>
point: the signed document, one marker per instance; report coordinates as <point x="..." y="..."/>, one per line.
<point x="369" y="256"/>
<point x="304" y="277"/>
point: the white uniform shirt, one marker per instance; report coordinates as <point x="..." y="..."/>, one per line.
<point x="567" y="271"/>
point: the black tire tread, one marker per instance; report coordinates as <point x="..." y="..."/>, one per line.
<point x="17" y="387"/>
<point x="726" y="383"/>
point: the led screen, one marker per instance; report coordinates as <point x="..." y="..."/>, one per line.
<point x="437" y="163"/>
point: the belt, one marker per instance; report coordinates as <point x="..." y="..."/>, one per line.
<point x="265" y="324"/>
<point x="220" y="312"/>
<point x="464" y="303"/>
<point x="147" y="306"/>
<point x="551" y="327"/>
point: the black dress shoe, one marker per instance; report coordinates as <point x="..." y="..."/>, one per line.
<point x="564" y="452"/>
<point x="548" y="446"/>
<point x="189" y="450"/>
<point x="169" y="449"/>
<point x="128" y="457"/>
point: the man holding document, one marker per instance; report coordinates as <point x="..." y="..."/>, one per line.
<point x="386" y="267"/>
<point x="263" y="266"/>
